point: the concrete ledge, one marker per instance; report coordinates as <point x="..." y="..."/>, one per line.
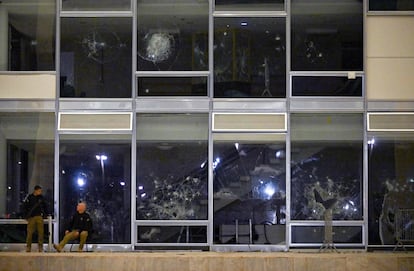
<point x="207" y="261"/>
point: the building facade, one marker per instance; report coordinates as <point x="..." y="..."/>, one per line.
<point x="210" y="124"/>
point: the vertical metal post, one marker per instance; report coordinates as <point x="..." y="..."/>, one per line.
<point x="49" y="227"/>
<point x="250" y="232"/>
<point x="237" y="231"/>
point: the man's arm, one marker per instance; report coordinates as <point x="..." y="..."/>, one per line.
<point x="72" y="221"/>
<point x="89" y="225"/>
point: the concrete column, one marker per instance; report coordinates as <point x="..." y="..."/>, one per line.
<point x="4" y="38"/>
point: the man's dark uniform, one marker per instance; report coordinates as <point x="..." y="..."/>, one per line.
<point x="35" y="210"/>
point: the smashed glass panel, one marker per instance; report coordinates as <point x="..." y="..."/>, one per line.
<point x="327" y="35"/>
<point x="172" y="36"/>
<point x="391" y="183"/>
<point x="172" y="167"/>
<point x="172" y="180"/>
<point x="326" y="176"/>
<point x="249" y="57"/>
<point x="96" y="58"/>
<point x="326" y="166"/>
<point x="249" y="192"/>
<point x="98" y="171"/>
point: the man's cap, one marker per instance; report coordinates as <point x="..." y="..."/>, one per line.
<point x="37" y="187"/>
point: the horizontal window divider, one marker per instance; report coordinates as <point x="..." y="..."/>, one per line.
<point x="326" y="73"/>
<point x="16" y="221"/>
<point x="27" y="105"/>
<point x="249" y="13"/>
<point x="390" y="12"/>
<point x="94" y="121"/>
<point x="171" y="222"/>
<point x="356" y="223"/>
<point x="319" y="244"/>
<point x="327" y="98"/>
<point x="378" y="121"/>
<point x="96" y="132"/>
<point x="171" y="244"/>
<point x="27" y="72"/>
<point x="96" y="14"/>
<point x="172" y="73"/>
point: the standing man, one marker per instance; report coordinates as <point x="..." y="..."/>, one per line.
<point x="35" y="209"/>
<point x="79" y="227"/>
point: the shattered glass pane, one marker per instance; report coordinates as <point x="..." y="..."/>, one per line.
<point x="249" y="192"/>
<point x="172" y="35"/>
<point x="326" y="176"/>
<point x="172" y="180"/>
<point x="326" y="166"/>
<point x="249" y="57"/>
<point x="95" y="59"/>
<point x="331" y="40"/>
<point x="97" y="171"/>
<point x="391" y="183"/>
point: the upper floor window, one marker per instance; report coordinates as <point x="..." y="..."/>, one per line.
<point x="249" y="57"/>
<point x="95" y="58"/>
<point x="172" y="36"/>
<point x="327" y="35"/>
<point x="27" y="35"/>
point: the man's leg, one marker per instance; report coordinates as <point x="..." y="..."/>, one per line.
<point x="82" y="241"/>
<point x="40" y="232"/>
<point x="68" y="237"/>
<point x="30" y="229"/>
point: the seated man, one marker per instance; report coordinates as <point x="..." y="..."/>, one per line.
<point x="79" y="227"/>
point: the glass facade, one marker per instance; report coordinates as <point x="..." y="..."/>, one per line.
<point x="225" y="124"/>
